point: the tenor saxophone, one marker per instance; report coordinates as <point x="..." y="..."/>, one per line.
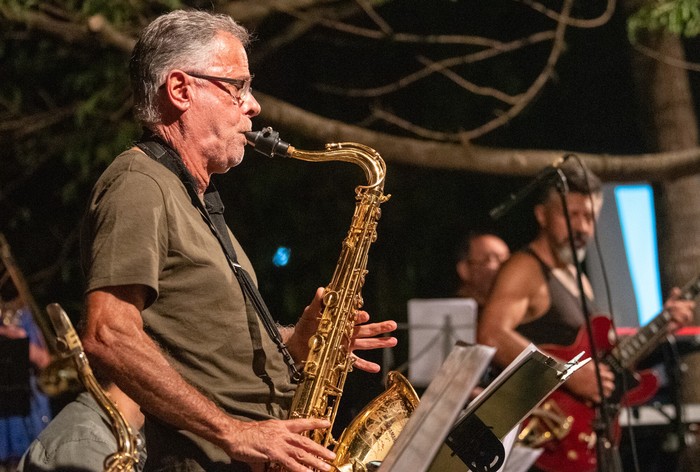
<point x="68" y="343"/>
<point x="370" y="435"/>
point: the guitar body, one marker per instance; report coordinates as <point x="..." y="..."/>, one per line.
<point x="575" y="450"/>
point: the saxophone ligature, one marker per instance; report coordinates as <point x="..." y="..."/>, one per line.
<point x="68" y="343"/>
<point x="368" y="438"/>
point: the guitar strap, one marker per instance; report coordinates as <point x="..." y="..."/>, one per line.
<point x="212" y="211"/>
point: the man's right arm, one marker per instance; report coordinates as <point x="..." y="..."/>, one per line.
<point x="519" y="289"/>
<point x="116" y="342"/>
<point x="508" y="304"/>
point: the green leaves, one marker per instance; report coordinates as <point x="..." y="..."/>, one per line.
<point x="680" y="17"/>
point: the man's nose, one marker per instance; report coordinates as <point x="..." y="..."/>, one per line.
<point x="250" y="106"/>
<point x="582" y="225"/>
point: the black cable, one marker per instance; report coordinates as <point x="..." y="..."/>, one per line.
<point x="611" y="314"/>
<point x="606" y="452"/>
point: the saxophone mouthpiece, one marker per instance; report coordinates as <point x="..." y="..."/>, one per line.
<point x="268" y="142"/>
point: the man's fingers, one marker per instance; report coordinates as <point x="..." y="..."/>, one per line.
<point x="361" y="317"/>
<point x="365" y="344"/>
<point x="367" y="366"/>
<point x="12" y="332"/>
<point x="374" y="329"/>
<point x="316" y="303"/>
<point x="300" y="425"/>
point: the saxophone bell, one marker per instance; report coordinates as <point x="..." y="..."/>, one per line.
<point x="268" y="143"/>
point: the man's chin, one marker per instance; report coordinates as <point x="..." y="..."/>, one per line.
<point x="566" y="257"/>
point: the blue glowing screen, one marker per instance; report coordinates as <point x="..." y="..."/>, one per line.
<point x="635" y="204"/>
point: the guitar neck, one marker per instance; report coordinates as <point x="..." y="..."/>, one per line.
<point x="629" y="351"/>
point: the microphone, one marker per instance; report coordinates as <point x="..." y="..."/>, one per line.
<point x="542" y="177"/>
<point x="268" y="142"/>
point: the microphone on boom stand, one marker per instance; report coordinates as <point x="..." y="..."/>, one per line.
<point x="543" y="177"/>
<point x="608" y="459"/>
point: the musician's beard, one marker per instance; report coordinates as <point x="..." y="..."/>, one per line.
<point x="565" y="256"/>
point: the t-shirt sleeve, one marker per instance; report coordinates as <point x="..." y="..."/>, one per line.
<point x="71" y="455"/>
<point x="127" y="231"/>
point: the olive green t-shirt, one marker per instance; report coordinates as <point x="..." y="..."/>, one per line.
<point x="142" y="228"/>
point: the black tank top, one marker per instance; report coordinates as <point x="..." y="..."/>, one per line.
<point x="562" y="321"/>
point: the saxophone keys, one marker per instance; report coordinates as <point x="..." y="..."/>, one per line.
<point x="330" y="298"/>
<point x="316" y="342"/>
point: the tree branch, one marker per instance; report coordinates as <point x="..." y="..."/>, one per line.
<point x="95" y="28"/>
<point x="535" y="87"/>
<point x="27" y="125"/>
<point x="474" y="158"/>
<point x="575" y="22"/>
<point x="671" y="61"/>
<point x="438" y="66"/>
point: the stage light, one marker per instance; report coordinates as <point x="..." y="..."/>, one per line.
<point x="281" y="257"/>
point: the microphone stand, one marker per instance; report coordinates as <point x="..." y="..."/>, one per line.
<point x="606" y="451"/>
<point x="675" y="443"/>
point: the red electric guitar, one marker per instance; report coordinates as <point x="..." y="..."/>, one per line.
<point x="563" y="424"/>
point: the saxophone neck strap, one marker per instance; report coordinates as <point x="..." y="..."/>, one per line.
<point x="212" y="211"/>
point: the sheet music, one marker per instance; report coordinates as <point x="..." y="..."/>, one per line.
<point x="521" y="458"/>
<point x="434" y="325"/>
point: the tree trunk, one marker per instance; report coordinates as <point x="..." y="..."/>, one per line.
<point x="671" y="125"/>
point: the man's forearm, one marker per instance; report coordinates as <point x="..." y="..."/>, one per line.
<point x="139" y="368"/>
<point x="114" y="339"/>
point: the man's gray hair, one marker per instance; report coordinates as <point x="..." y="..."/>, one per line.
<point x="180" y="39"/>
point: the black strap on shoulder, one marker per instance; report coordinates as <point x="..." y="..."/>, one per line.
<point x="212" y="211"/>
<point x="546" y="270"/>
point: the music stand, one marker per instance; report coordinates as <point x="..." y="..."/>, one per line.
<point x="431" y="431"/>
<point x="15" y="391"/>
<point x="439" y="407"/>
<point x="434" y="326"/>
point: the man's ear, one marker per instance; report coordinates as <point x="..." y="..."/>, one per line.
<point x="178" y="89"/>
<point x="540" y="215"/>
<point x="462" y="268"/>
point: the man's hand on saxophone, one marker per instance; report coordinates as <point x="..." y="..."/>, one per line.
<point x="282" y="443"/>
<point x="370" y="336"/>
<point x="365" y="336"/>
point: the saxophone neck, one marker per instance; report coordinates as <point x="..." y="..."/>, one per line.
<point x="268" y="143"/>
<point x="363" y="156"/>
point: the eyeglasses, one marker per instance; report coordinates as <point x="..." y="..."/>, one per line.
<point x="489" y="259"/>
<point x="243" y="86"/>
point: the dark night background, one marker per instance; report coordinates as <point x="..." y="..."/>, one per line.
<point x="589" y="106"/>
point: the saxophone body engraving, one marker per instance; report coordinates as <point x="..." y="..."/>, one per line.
<point x="328" y="362"/>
